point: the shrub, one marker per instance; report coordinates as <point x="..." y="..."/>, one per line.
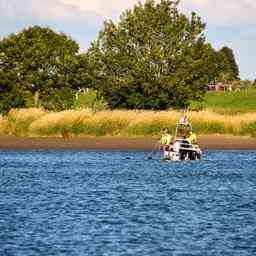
<point x="91" y="100"/>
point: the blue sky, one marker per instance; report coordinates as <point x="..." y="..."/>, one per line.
<point x="230" y="23"/>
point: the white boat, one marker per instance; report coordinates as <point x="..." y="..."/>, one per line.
<point x="181" y="149"/>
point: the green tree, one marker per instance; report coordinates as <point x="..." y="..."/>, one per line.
<point x="254" y="82"/>
<point x="230" y="67"/>
<point x="216" y="65"/>
<point x="38" y="60"/>
<point x="11" y="93"/>
<point x="153" y="58"/>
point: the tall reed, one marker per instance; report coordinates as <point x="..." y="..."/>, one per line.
<point x="20" y="119"/>
<point x="4" y="126"/>
<point x="37" y="122"/>
<point x="59" y="123"/>
<point x="151" y="122"/>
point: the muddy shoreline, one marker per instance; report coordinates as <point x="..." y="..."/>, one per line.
<point x="224" y="142"/>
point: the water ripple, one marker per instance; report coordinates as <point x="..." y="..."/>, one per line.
<point x="119" y="203"/>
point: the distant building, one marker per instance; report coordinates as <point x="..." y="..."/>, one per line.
<point x="220" y="87"/>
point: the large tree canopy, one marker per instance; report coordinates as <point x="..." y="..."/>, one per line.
<point x="153" y="58"/>
<point x="230" y="69"/>
<point x="38" y="59"/>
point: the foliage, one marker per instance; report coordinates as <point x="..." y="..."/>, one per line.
<point x="196" y="105"/>
<point x="153" y="58"/>
<point x="230" y="68"/>
<point x="11" y="93"/>
<point x="246" y="84"/>
<point x="91" y="100"/>
<point x="38" y="59"/>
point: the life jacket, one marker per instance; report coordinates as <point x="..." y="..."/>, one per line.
<point x="192" y="138"/>
<point x="166" y="139"/>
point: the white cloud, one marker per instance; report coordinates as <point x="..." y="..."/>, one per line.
<point x="51" y="10"/>
<point x="219" y="12"/>
<point x="223" y="12"/>
<point x="108" y="9"/>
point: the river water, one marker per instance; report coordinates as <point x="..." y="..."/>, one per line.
<point x="121" y="203"/>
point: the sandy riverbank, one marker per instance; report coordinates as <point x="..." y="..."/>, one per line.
<point x="226" y="142"/>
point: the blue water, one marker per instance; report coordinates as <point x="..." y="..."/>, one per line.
<point x="119" y="203"/>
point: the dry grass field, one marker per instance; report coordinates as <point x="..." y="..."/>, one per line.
<point x="36" y="122"/>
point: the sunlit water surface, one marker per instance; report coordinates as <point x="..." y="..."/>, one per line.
<point x="120" y="203"/>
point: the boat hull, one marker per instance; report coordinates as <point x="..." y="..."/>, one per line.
<point x="180" y="153"/>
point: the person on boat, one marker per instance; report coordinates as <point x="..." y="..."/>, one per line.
<point x="192" y="139"/>
<point x="166" y="139"/>
<point x="184" y="127"/>
<point x="184" y="121"/>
